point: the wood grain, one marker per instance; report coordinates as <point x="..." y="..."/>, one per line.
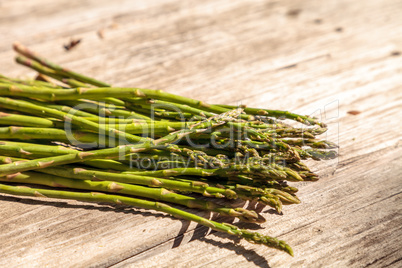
<point x="305" y="56"/>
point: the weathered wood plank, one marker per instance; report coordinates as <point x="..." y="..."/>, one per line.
<point x="255" y="52"/>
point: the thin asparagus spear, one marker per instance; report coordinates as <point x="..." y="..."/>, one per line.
<point x="107" y="164"/>
<point x="72" y="82"/>
<point x="25" y="120"/>
<point x="38" y="83"/>
<point x="116" y="121"/>
<point x="98" y="109"/>
<point x="56" y="75"/>
<point x="77" y="138"/>
<point x="32" y="150"/>
<point x="29" y="54"/>
<point x="64" y="108"/>
<point x="174" y="107"/>
<point x="252" y="237"/>
<point x="39" y="68"/>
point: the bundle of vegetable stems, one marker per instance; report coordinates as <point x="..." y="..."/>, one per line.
<point x="65" y="135"/>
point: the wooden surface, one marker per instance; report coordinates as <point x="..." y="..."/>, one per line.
<point x="312" y="57"/>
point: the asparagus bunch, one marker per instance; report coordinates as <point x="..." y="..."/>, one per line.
<point x="139" y="146"/>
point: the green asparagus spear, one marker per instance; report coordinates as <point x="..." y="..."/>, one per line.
<point x="29" y="54"/>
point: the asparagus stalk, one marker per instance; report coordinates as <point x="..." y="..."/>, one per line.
<point x="65" y="108"/>
<point x="24" y="120"/>
<point x="173" y="107"/>
<point x="38" y="83"/>
<point x="70" y="81"/>
<point x="39" y="68"/>
<point x="29" y="54"/>
<point x="115" y="121"/>
<point x="32" y="150"/>
<point x="107" y="164"/>
<point x="105" y="109"/>
<point x="77" y="138"/>
<point x="56" y="75"/>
